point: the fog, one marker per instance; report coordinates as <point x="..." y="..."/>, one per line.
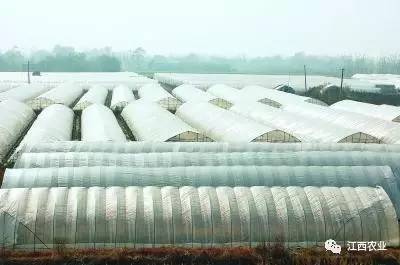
<point x="207" y="27"/>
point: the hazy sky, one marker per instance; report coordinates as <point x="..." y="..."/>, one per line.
<point x="217" y="27"/>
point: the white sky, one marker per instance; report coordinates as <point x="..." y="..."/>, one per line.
<point x="217" y="27"/>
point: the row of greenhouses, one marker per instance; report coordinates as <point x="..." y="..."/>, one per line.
<point x="205" y="116"/>
<point x="222" y="166"/>
<point x="84" y="79"/>
<point x="146" y="194"/>
<point x="297" y="84"/>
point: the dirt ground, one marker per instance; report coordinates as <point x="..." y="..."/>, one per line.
<point x="276" y="255"/>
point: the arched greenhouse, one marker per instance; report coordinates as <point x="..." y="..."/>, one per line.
<point x="96" y="217"/>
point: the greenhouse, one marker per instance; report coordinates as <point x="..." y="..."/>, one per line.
<point x="302" y="127"/>
<point x="210" y="147"/>
<point x="263" y="94"/>
<point x="96" y="95"/>
<point x="385" y="112"/>
<point x="233" y="95"/>
<point x="99" y="124"/>
<point x="148" y="121"/>
<point x="121" y="97"/>
<point x="227" y="93"/>
<point x="14" y="120"/>
<point x="7" y="86"/>
<point x="230" y="176"/>
<point x="285" y="82"/>
<point x="385" y="131"/>
<point x="54" y="123"/>
<point x="180" y="159"/>
<point x="223" y="125"/>
<point x="24" y="92"/>
<point x="45" y="218"/>
<point x="156" y="93"/>
<point x="65" y="94"/>
<point x="186" y="93"/>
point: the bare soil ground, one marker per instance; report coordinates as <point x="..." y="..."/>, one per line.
<point x="274" y="255"/>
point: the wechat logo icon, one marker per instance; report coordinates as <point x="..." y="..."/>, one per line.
<point x="331" y="245"/>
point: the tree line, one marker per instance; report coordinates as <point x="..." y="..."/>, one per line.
<point x="61" y="59"/>
<point x="67" y="59"/>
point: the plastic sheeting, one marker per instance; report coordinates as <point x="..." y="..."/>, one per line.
<point x="204" y="81"/>
<point x="97" y="217"/>
<point x="187" y="93"/>
<point x="231" y="176"/>
<point x="156" y="93"/>
<point x="283" y="98"/>
<point x="121" y="97"/>
<point x="65" y="94"/>
<point x="99" y="124"/>
<point x="150" y="122"/>
<point x="7" y="86"/>
<point x="15" y="117"/>
<point x="54" y="123"/>
<point x="311" y="158"/>
<point x="24" y="92"/>
<point x="302" y="127"/>
<point x="387" y="132"/>
<point x="385" y="112"/>
<point x="96" y="94"/>
<point x="223" y="125"/>
<point x="225" y="92"/>
<point x="154" y="147"/>
<point x="234" y="96"/>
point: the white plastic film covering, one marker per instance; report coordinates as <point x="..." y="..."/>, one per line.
<point x="204" y="81"/>
<point x="304" y="128"/>
<point x="386" y="131"/>
<point x="223" y="125"/>
<point x="225" y="92"/>
<point x="214" y="147"/>
<point x="24" y="92"/>
<point x="7" y="86"/>
<point x="42" y="218"/>
<point x="309" y="158"/>
<point x="187" y="93"/>
<point x="65" y="94"/>
<point x="257" y="93"/>
<point x="84" y="79"/>
<point x="385" y="112"/>
<point x="150" y="122"/>
<point x="15" y="117"/>
<point x="213" y="176"/>
<point x="54" y="123"/>
<point x="99" y="124"/>
<point x="156" y="93"/>
<point x="121" y="97"/>
<point x="96" y="95"/>
<point x="153" y="92"/>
